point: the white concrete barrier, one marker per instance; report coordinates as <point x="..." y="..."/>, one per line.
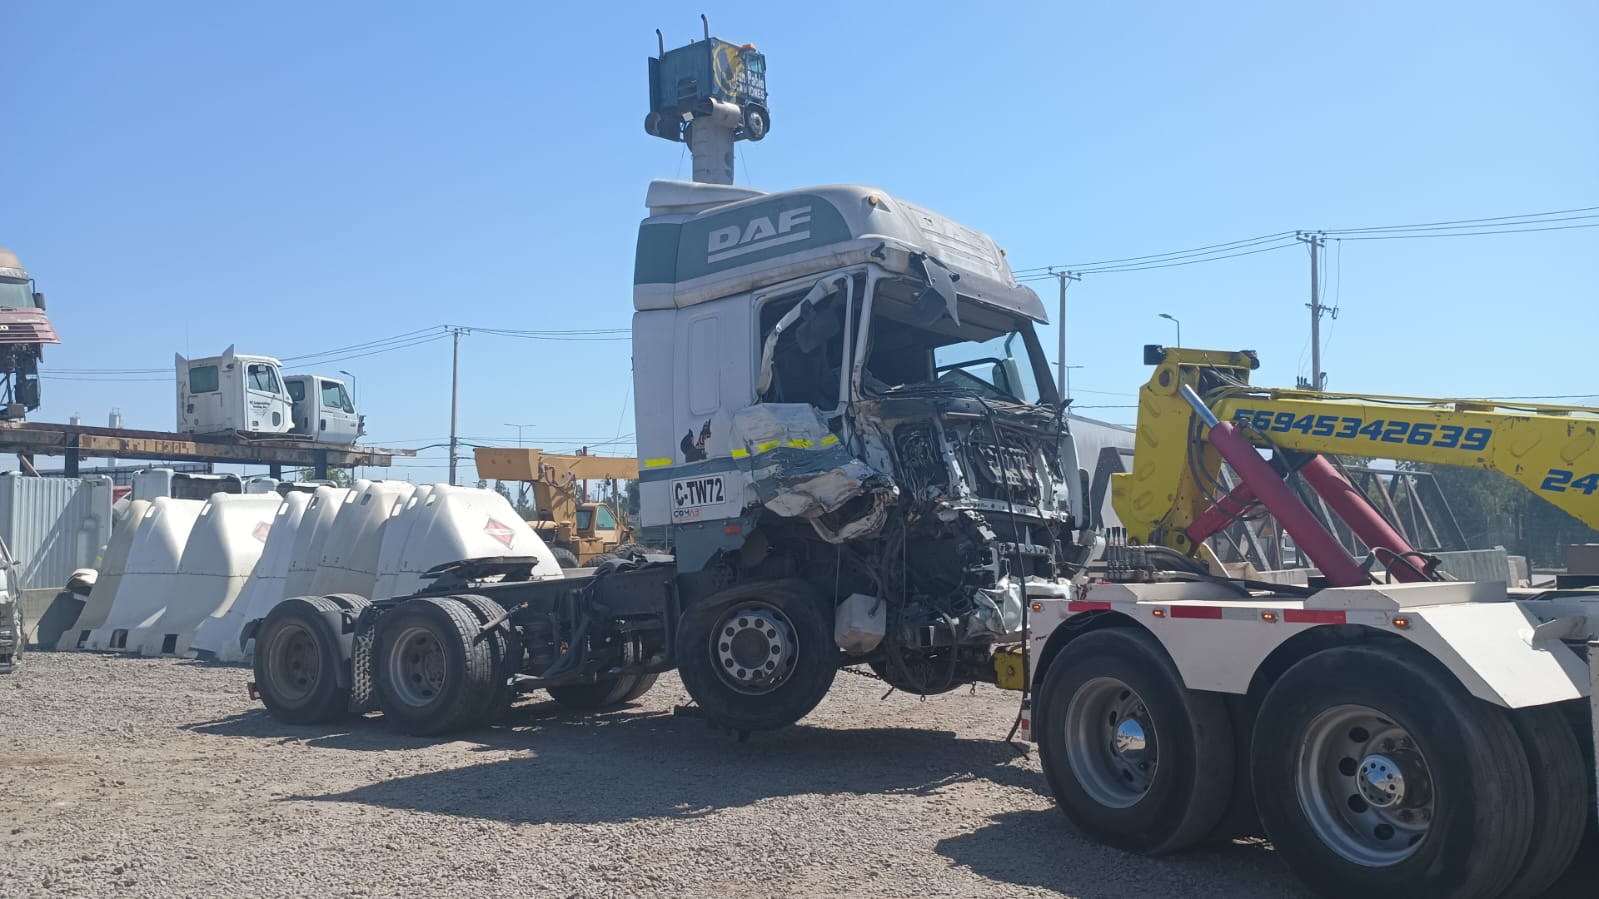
<point x="146" y="583"/>
<point x="218" y="635"/>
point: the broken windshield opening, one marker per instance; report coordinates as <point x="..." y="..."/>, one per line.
<point x="990" y="368"/>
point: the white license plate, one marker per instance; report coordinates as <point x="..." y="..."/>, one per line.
<point x="695" y="493"/>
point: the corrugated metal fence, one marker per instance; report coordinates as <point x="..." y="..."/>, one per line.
<point x="54" y="525"/>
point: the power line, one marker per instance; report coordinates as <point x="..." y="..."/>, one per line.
<point x="1459" y="223"/>
<point x="1235" y="244"/>
<point x="1426" y="235"/>
<point x="1265" y="243"/>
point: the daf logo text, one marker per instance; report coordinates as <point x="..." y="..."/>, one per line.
<point x="759" y="233"/>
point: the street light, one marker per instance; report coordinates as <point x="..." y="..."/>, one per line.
<point x="1179" y="328"/>
<point x="518" y="430"/>
<point x="355" y="397"/>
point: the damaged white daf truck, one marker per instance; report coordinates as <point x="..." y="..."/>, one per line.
<point x="846" y="421"/>
<point x="846" y="426"/>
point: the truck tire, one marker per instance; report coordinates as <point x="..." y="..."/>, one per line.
<point x="1134" y="760"/>
<point x="607" y="691"/>
<point x="1559" y="795"/>
<point x="758" y="656"/>
<point x="297" y="658"/>
<point x="564" y="557"/>
<point x="1376" y="774"/>
<point x="505" y="646"/>
<point x="433" y="674"/>
<point x="352" y="602"/>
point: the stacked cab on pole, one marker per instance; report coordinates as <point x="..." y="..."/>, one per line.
<point x="708" y="94"/>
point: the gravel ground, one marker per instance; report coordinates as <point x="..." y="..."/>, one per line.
<point x="149" y="777"/>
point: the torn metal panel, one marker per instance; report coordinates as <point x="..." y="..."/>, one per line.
<point x="800" y="469"/>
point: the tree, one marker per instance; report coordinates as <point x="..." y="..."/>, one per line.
<point x="1494" y="510"/>
<point x="339" y="476"/>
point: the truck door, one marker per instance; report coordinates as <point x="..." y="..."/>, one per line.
<point x="200" y="403"/>
<point x="266" y="403"/>
<point x="337" y="421"/>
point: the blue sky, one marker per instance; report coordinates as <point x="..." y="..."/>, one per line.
<point x="295" y="177"/>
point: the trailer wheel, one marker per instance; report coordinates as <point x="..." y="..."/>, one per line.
<point x="1560" y="798"/>
<point x="296" y="662"/>
<point x="1134" y="760"/>
<point x="564" y="557"/>
<point x="606" y="691"/>
<point x="1376" y="774"/>
<point x="433" y="674"/>
<point x="758" y="656"/>
<point x="505" y="646"/>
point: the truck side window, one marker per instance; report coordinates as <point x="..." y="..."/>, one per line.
<point x="203" y="379"/>
<point x="333" y="397"/>
<point x="263" y="378"/>
<point x="805" y="367"/>
<point x="603" y="520"/>
<point x="297" y="391"/>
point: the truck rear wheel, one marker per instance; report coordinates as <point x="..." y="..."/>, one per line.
<point x="1134" y="760"/>
<point x="1376" y="774"/>
<point x="758" y="656"/>
<point x="296" y="662"/>
<point x="505" y="646"/>
<point x="1560" y="798"/>
<point x="564" y="557"/>
<point x="433" y="673"/>
<point x="604" y="692"/>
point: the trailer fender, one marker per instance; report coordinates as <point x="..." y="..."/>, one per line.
<point x="1497" y="653"/>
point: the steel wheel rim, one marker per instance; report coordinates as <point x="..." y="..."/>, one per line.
<point x="296" y="662"/>
<point x="417" y="666"/>
<point x="1111" y="742"/>
<point x="755" y="647"/>
<point x="1364" y="785"/>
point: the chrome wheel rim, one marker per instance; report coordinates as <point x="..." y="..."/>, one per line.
<point x="1365" y="786"/>
<point x="417" y="666"/>
<point x="755" y="647"/>
<point x="1111" y="742"/>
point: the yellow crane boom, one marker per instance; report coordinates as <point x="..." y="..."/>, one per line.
<point x="1551" y="450"/>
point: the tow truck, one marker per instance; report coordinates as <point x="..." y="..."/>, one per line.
<point x="1391" y="731"/>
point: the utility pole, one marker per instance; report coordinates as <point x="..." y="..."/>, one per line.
<point x="1316" y="241"/>
<point x="1061" y="377"/>
<point x="1068" y="394"/>
<point x="455" y="399"/>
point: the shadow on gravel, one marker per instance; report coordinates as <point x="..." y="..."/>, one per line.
<point x="1009" y="849"/>
<point x="631" y="765"/>
<point x="1025" y="848"/>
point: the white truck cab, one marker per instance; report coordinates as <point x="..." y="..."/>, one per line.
<point x="239" y="394"/>
<point x="323" y="409"/>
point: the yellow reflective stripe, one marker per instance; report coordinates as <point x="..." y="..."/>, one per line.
<point x="768" y="445"/>
<point x="657" y="463"/>
<point x="801" y="443"/>
<point x="740" y="453"/>
<point x="829" y="440"/>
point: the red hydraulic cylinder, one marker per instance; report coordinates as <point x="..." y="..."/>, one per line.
<point x="1335" y="563"/>
<point x="1356" y="511"/>
<point x="1221" y="515"/>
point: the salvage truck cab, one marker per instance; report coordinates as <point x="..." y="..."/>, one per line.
<point x="848" y="434"/>
<point x="846" y="425"/>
